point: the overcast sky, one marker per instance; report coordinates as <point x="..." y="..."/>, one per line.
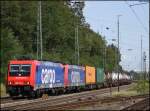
<point x="102" y="14"/>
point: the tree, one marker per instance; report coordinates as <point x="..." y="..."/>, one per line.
<point x="59" y="20"/>
<point x="10" y="48"/>
<point x="77" y="8"/>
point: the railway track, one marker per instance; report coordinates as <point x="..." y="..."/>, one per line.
<point x="10" y="100"/>
<point x="5" y="99"/>
<point x="50" y="103"/>
<point x="46" y="102"/>
<point x="141" y="105"/>
<point x="90" y="102"/>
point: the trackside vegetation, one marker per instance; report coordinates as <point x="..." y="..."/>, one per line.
<point x="142" y="86"/>
<point x="139" y="88"/>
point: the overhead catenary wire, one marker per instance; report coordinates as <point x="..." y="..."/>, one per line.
<point x="138" y="4"/>
<point x="137" y="17"/>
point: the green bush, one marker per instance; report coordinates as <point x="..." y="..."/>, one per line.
<point x="142" y="86"/>
<point x="2" y="90"/>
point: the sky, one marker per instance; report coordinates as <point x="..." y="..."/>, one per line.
<point x="133" y="27"/>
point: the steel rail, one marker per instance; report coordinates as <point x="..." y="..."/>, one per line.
<point x="93" y="101"/>
<point x="59" y="100"/>
<point x="141" y="105"/>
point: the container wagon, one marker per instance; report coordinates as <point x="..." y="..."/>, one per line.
<point x="76" y="78"/>
<point x="100" y="77"/>
<point x="90" y="80"/>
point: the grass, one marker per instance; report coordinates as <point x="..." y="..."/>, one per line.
<point x="125" y="93"/>
<point x="142" y="87"/>
<point x="3" y="90"/>
<point x="139" y="88"/>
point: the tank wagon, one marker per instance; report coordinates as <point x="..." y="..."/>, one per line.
<point x="32" y="78"/>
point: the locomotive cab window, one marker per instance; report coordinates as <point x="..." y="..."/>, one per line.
<point x="20" y="70"/>
<point x="14" y="70"/>
<point x="25" y="70"/>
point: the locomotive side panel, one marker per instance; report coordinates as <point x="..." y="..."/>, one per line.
<point x="76" y="75"/>
<point x="49" y="75"/>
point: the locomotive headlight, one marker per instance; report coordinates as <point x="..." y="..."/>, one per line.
<point x="10" y="82"/>
<point x="27" y="82"/>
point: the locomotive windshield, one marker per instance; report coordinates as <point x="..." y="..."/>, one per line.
<point x="20" y="70"/>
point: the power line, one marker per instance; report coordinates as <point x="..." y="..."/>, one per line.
<point x="137" y="17"/>
<point x="138" y="4"/>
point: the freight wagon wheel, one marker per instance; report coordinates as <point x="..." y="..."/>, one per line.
<point x="63" y="91"/>
<point x="38" y="94"/>
<point x="97" y="86"/>
<point x="32" y="95"/>
<point x="54" y="91"/>
<point x="13" y="96"/>
<point x="66" y="91"/>
<point x="78" y="89"/>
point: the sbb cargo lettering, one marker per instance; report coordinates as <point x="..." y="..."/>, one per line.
<point x="48" y="76"/>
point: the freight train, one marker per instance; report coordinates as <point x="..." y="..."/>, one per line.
<point x="32" y="78"/>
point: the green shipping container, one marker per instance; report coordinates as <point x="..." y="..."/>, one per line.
<point x="99" y="75"/>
